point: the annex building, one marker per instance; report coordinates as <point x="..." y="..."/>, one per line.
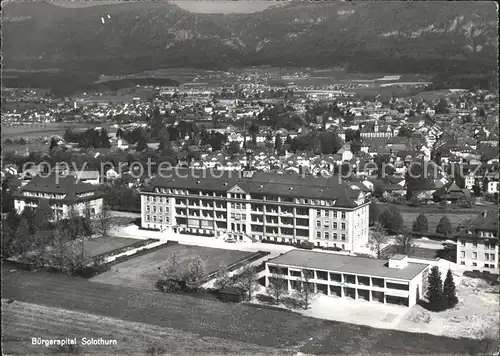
<point x="395" y="281"/>
<point x="258" y="205"/>
<point x="64" y="194"/>
<point x="477" y="244"/>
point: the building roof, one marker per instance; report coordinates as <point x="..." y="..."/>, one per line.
<point x="66" y="185"/>
<point x="347" y="264"/>
<point x="83" y="175"/>
<point x="267" y="183"/>
<point x="487" y="220"/>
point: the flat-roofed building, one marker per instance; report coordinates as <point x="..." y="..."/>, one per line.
<point x="259" y="205"/>
<point x="477" y="243"/>
<point x="395" y="281"/>
<point x="64" y="194"/>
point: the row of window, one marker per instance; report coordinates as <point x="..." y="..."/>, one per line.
<point x="329" y="213"/>
<point x="242" y="196"/>
<point x="160" y="209"/>
<point x="235" y="216"/>
<point x="487" y="256"/>
<point x="474" y="244"/>
<point x="327" y="235"/>
<point x="158" y="219"/>
<point x="474" y="264"/>
<point x="326" y="223"/>
<point x="238" y="206"/>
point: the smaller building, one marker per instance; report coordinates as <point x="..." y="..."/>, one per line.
<point x="63" y="193"/>
<point x="396" y="281"/>
<point x="477" y="243"/>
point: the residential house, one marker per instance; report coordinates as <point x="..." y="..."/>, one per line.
<point x="454" y="194"/>
<point x="64" y="194"/>
<point x="477" y="244"/>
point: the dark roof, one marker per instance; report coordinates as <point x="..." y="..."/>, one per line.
<point x="52" y="184"/>
<point x="347" y="264"/>
<point x="487" y="220"/>
<point x="268" y="183"/>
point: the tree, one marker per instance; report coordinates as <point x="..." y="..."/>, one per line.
<point x="103" y="221"/>
<point x="374" y="212"/>
<point x="444" y="227"/>
<point x="305" y="290"/>
<point x="104" y="138"/>
<point x="247" y="281"/>
<point x="43" y="215"/>
<point x="8" y="239"/>
<point x="53" y="144"/>
<point x="58" y="247"/>
<point x="476" y="189"/>
<point x="278" y="284"/>
<point x="253" y="130"/>
<point x="377" y="239"/>
<point x="391" y="220"/>
<point x="421" y="224"/>
<point x="222" y="279"/>
<point x="435" y="295"/>
<point x="442" y="106"/>
<point x="195" y="273"/>
<point x="22" y="239"/>
<point x="277" y="142"/>
<point x="233" y="148"/>
<point x="404" y="242"/>
<point x="171" y="278"/>
<point x="449" y="290"/>
<point x="378" y="189"/>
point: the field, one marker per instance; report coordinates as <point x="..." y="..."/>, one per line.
<point x="181" y="75"/>
<point x="106" y="244"/>
<point x="416" y="252"/>
<point x="143" y="271"/>
<point x="33" y="131"/>
<point x="433" y="218"/>
<point x="25" y="320"/>
<point x="30" y="147"/>
<point x="268" y="328"/>
<point x="434" y="95"/>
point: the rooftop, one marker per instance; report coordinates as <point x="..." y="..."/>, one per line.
<point x="348" y="264"/>
<point x="312" y="187"/>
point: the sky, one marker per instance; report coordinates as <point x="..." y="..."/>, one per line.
<point x="223" y="7"/>
<point x="195" y="6"/>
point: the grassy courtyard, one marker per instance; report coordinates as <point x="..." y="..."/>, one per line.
<point x="105" y="244"/>
<point x="143" y="271"/>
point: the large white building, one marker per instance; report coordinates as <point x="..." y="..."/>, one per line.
<point x="395" y="281"/>
<point x="64" y="194"/>
<point x="258" y="205"/>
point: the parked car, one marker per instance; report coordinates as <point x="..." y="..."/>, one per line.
<point x="230" y="240"/>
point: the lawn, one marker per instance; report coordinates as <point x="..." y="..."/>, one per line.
<point x="143" y="271"/>
<point x="209" y="319"/>
<point x="25" y="320"/>
<point x="417" y="252"/>
<point x="33" y="131"/>
<point x="100" y="245"/>
<point x="433" y="218"/>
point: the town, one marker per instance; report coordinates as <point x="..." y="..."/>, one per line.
<point x="316" y="186"/>
<point x="250" y="210"/>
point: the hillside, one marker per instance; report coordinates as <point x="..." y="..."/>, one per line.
<point x="130" y="37"/>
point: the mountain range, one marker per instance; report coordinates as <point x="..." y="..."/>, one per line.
<point x="410" y="36"/>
